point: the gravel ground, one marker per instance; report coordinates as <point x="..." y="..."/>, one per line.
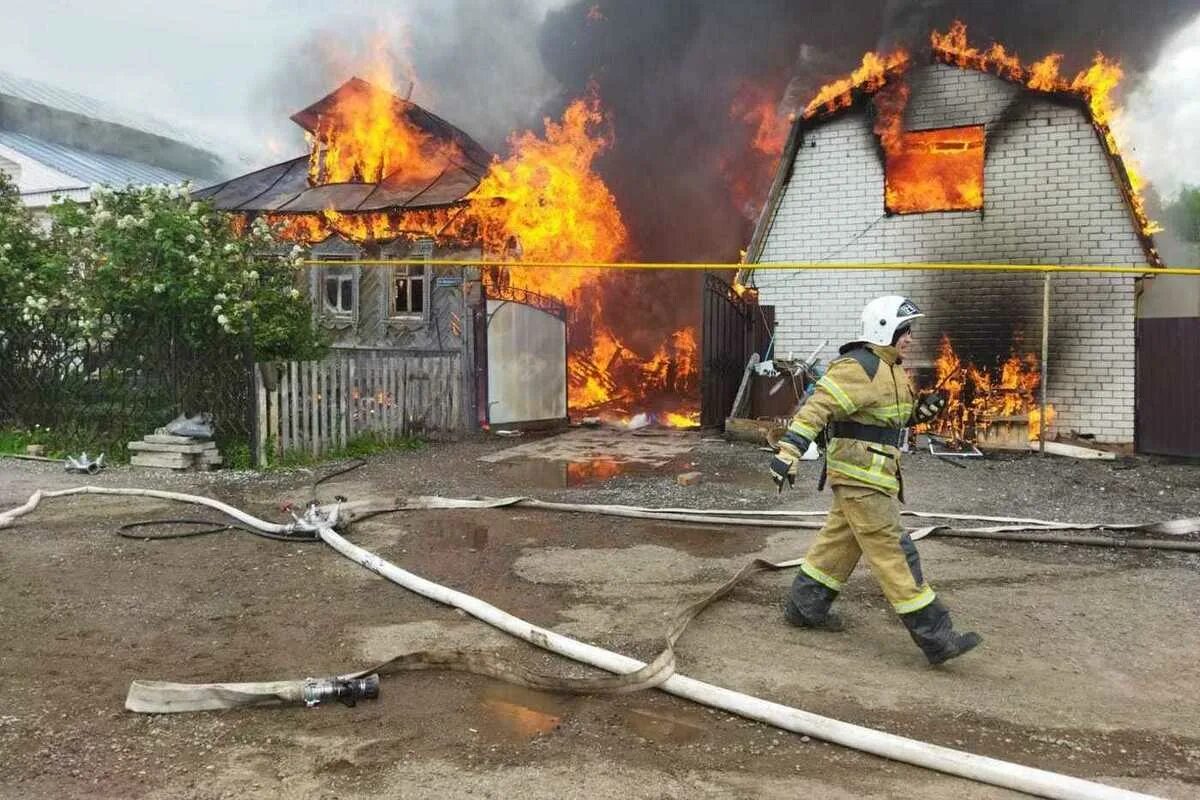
<point x="1089" y="664"/>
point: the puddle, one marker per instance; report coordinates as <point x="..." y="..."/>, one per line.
<point x="521" y="713"/>
<point x="546" y="474"/>
<point x="662" y="728"/>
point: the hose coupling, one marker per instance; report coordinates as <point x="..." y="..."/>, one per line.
<point x="348" y="691"/>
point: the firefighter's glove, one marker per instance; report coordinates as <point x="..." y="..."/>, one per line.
<point x="783" y="465"/>
<point x="929" y="405"/>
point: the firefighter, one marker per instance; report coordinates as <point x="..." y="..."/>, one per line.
<point x="863" y="403"/>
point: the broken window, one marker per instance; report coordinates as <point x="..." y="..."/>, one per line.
<point x="410" y="282"/>
<point x="340" y="293"/>
<point x="935" y="170"/>
<point x="409" y="295"/>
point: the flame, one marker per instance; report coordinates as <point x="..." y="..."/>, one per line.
<point x="543" y="203"/>
<point x="1094" y="85"/>
<point x="940" y="170"/>
<point x="977" y="396"/>
<point x="749" y="171"/>
<point x="870" y="76"/>
<point x="553" y="205"/>
<point x="367" y="136"/>
<point x="688" y="420"/>
<point x="438" y="223"/>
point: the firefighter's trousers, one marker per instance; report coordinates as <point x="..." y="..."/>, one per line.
<point x="861" y="522"/>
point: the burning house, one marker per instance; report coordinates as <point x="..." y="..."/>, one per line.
<point x="974" y="157"/>
<point x="385" y="180"/>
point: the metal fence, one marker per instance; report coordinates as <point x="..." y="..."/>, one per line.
<point x="102" y="395"/>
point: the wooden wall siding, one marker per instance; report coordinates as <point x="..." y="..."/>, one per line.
<point x="317" y="407"/>
<point x="373" y="326"/>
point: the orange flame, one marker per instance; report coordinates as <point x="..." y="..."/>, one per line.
<point x="977" y="396"/>
<point x="870" y="76"/>
<point x="554" y="206"/>
<point x="940" y="170"/>
<point x="1094" y="85"/>
<point x="749" y="173"/>
<point x="367" y="136"/>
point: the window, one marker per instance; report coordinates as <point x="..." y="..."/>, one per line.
<point x="339" y="293"/>
<point x="408" y="291"/>
<point x="935" y="170"/>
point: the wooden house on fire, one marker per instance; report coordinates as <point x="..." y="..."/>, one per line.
<point x="424" y="346"/>
<point x="974" y="159"/>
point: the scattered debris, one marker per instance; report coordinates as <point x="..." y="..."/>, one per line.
<point x="197" y="427"/>
<point x="1074" y="451"/>
<point x="688" y="478"/>
<point x="508" y="433"/>
<point x="953" y="448"/>
<point x="85" y="465"/>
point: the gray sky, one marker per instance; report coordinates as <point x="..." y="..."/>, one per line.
<point x="233" y="69"/>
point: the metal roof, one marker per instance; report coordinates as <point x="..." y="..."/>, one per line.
<point x="284" y="188"/>
<point x="53" y="97"/>
<point x="88" y="167"/>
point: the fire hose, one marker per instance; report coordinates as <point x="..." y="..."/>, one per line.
<point x="322" y="521"/>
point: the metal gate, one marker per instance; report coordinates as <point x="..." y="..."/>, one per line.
<point x="1168" y="383"/>
<point x="726" y="344"/>
<point x="526" y="357"/>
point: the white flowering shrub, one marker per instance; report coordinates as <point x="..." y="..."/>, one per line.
<point x="137" y="256"/>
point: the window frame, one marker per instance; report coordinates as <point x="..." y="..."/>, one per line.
<point x="340" y="268"/>
<point x="407" y="273"/>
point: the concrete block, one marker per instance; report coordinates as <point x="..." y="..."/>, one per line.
<point x="167" y="438"/>
<point x="150" y="447"/>
<point x="163" y="460"/>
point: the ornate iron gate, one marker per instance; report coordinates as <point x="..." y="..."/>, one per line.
<point x="728" y="340"/>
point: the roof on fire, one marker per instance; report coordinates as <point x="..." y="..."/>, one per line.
<point x="284" y="188"/>
<point x="802" y="124"/>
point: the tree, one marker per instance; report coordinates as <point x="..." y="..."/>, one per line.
<point x="1183" y="215"/>
<point x="145" y="255"/>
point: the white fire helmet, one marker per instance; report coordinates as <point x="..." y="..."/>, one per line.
<point x="884" y="315"/>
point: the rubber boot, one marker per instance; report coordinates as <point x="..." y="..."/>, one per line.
<point x="807" y="605"/>
<point x="934" y="633"/>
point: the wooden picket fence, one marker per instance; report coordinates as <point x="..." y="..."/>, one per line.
<point x="317" y="407"/>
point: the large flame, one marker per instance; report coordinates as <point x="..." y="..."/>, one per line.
<point x="978" y="397"/>
<point x="939" y="170"/>
<point x="1094" y="85"/>
<point x="366" y="137"/>
<point x="546" y="196"/>
<point x="749" y="171"/>
<point x="871" y="75"/>
<point x="544" y="203"/>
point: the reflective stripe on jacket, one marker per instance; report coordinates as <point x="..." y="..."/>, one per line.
<point x="866" y="385"/>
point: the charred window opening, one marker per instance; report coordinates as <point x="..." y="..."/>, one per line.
<point x="410" y="283"/>
<point x="935" y="170"/>
<point x="339" y="293"/>
<point x="409" y="296"/>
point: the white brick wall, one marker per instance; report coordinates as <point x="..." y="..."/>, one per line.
<point x="1050" y="197"/>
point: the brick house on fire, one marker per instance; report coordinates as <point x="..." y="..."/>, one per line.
<point x="1049" y="192"/>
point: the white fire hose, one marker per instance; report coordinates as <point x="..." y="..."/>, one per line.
<point x="983" y="769"/>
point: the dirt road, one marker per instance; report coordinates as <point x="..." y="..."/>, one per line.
<point x="1089" y="667"/>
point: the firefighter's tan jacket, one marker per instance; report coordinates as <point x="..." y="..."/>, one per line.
<point x="868" y="386"/>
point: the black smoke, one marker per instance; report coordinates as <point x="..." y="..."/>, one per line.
<point x="669" y="72"/>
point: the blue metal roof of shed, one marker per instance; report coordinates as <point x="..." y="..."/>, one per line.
<point x="89" y="167"/>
